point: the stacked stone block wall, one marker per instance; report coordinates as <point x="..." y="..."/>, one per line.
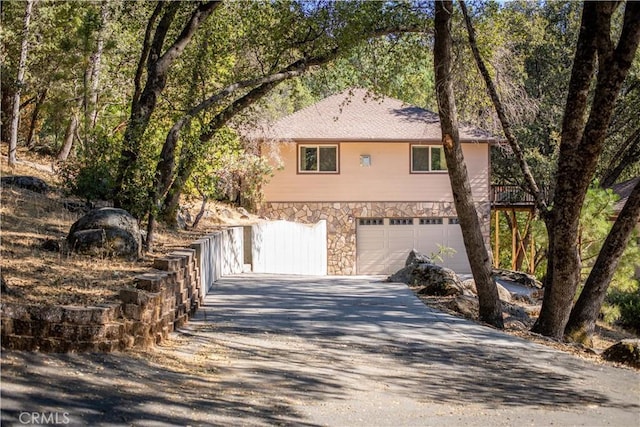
<point x="158" y="302"/>
<point x="342" y="218"/>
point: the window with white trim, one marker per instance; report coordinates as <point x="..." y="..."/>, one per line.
<point x="427" y="158"/>
<point x="318" y="158"/>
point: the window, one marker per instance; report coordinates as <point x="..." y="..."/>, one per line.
<point x="401" y="221"/>
<point x="430" y="221"/>
<point x="318" y="158"/>
<point x="371" y="221"/>
<point x="427" y="158"/>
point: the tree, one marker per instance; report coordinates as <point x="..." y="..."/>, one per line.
<point x="489" y="304"/>
<point x="15" y="116"/>
<point x="87" y="101"/>
<point x="582" y="142"/>
<point x="581" y="324"/>
<point x="283" y="52"/>
<point x="158" y="62"/>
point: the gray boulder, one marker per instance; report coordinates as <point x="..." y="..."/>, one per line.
<point x="625" y="351"/>
<point x="517" y="276"/>
<point x="433" y="279"/>
<point x="416" y="257"/>
<point x="106" y="232"/>
<point x="469" y="286"/>
<point x="27" y="182"/>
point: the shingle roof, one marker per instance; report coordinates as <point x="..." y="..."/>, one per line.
<point x="357" y="115"/>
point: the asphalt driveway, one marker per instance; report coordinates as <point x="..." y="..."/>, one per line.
<point x="334" y="351"/>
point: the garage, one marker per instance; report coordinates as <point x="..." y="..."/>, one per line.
<point x="383" y="244"/>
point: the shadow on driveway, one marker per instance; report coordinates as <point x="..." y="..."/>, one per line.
<point x="293" y="350"/>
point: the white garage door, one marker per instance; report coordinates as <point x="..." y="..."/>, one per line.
<point x="383" y="244"/>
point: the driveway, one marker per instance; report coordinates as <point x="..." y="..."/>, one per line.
<point x="315" y="351"/>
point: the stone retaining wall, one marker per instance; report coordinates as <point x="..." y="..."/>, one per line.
<point x="342" y="217"/>
<point x="158" y="302"/>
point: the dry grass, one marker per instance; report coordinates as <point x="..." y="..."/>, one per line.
<point x="35" y="275"/>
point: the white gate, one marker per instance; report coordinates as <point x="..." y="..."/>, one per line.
<point x="283" y="247"/>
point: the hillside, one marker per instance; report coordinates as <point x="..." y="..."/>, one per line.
<point x="32" y="222"/>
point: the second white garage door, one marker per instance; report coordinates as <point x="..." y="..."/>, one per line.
<point x="383" y="244"/>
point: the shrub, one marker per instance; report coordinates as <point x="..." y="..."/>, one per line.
<point x="92" y="181"/>
<point x="627" y="304"/>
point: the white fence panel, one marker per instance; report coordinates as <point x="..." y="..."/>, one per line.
<point x="219" y="254"/>
<point x="283" y="247"/>
<point x="232" y="251"/>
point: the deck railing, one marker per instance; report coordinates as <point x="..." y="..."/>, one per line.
<point x="508" y="195"/>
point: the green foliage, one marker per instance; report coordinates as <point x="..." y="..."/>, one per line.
<point x="226" y="171"/>
<point x="90" y="174"/>
<point x="539" y="235"/>
<point x="623" y="307"/>
<point x="443" y="251"/>
<point x="622" y="304"/>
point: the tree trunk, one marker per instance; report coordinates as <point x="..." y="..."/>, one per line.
<point x="6" y="106"/>
<point x="530" y="181"/>
<point x="583" y="317"/>
<point x="158" y="65"/>
<point x="70" y="132"/>
<point x="15" y="114"/>
<point x="490" y="309"/>
<point x="187" y="162"/>
<point x="627" y="155"/>
<point x="95" y="66"/>
<point x="580" y="148"/>
<point x="34" y="117"/>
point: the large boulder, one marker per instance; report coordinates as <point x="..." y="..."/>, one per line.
<point x="469" y="286"/>
<point x="518" y="277"/>
<point x="106" y="232"/>
<point x="416" y="258"/>
<point x="27" y="182"/>
<point x="625" y="351"/>
<point x="433" y="279"/>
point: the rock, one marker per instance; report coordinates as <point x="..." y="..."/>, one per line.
<point x="469" y="288"/>
<point x="515" y="325"/>
<point x="523" y="298"/>
<point x="416" y="257"/>
<point x="90" y="241"/>
<point x="465" y="305"/>
<point x="626" y="352"/>
<point x="518" y="277"/>
<point x="51" y="245"/>
<point x="106" y="231"/>
<point x="503" y="293"/>
<point x="434" y="279"/>
<point x="27" y="182"/>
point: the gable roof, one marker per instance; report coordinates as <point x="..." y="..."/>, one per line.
<point x="358" y="115"/>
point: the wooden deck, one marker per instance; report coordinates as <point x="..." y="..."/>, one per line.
<point x="510" y="196"/>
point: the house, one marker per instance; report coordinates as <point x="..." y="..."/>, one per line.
<point x="374" y="169"/>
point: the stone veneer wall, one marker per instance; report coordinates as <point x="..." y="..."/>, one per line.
<point x="160" y="301"/>
<point x="342" y="218"/>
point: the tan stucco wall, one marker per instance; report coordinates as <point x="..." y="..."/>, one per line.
<point x="387" y="179"/>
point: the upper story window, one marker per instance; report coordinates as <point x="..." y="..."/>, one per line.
<point x="427" y="158"/>
<point x="318" y="158"/>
